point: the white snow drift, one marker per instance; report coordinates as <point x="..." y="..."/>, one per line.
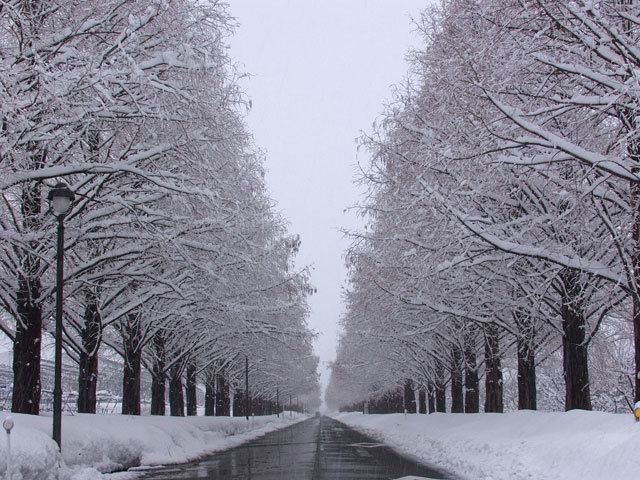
<point x="526" y="444"/>
<point x="95" y="444"/>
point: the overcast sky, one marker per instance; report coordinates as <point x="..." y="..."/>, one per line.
<point x="321" y="73"/>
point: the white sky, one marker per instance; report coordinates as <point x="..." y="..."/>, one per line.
<point x="321" y="73"/>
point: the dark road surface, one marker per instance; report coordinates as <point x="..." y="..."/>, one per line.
<point x="316" y="449"/>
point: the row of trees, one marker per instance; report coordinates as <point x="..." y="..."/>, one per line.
<point x="175" y="259"/>
<point x="503" y="206"/>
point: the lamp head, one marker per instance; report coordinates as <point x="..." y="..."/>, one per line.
<point x="8" y="424"/>
<point x="61" y="198"/>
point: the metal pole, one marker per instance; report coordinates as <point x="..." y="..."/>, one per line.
<point x="8" y="425"/>
<point x="290" y="411"/>
<point x="278" y="402"/>
<point x="246" y="378"/>
<point x="57" y="389"/>
<point x="9" y="469"/>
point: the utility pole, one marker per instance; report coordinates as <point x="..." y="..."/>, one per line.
<point x="246" y="378"/>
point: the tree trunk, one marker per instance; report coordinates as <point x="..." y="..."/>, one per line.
<point x="576" y="369"/>
<point x="240" y="404"/>
<point x="493" y="378"/>
<point x="526" y="375"/>
<point x="636" y="327"/>
<point x="441" y="392"/>
<point x="422" y="402"/>
<point x="158" y="394"/>
<point x="635" y="202"/>
<point x="28" y="336"/>
<point x="88" y="365"/>
<point x="431" y="396"/>
<point x="223" y="402"/>
<point x="158" y="377"/>
<point x="629" y="118"/>
<point x="176" y="393"/>
<point x="409" y="396"/>
<point x="257" y="406"/>
<point x="210" y="397"/>
<point x="91" y="333"/>
<point x="26" y="350"/>
<point x="471" y="380"/>
<point x="132" y="361"/>
<point x="131" y="384"/>
<point x="457" y="398"/>
<point x="192" y="400"/>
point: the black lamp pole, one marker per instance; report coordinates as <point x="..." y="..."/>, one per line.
<point x="246" y="378"/>
<point x="57" y="389"/>
<point x="60" y="198"/>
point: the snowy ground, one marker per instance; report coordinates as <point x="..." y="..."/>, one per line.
<point x="517" y="445"/>
<point x="576" y="445"/>
<point x="94" y="444"/>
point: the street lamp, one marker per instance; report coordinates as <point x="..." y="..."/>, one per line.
<point x="60" y="199"/>
<point x="8" y="426"/>
<point x="246" y="373"/>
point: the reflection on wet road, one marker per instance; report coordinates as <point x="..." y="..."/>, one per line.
<point x="344" y="453"/>
<point x="316" y="449"/>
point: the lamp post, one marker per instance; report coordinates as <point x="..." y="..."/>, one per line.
<point x="246" y="373"/>
<point x="60" y="199"/>
<point x="8" y="425"/>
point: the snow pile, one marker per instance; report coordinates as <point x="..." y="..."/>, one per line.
<point x="95" y="444"/>
<point x="577" y="445"/>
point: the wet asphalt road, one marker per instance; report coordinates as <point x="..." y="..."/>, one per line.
<point x="316" y="449"/>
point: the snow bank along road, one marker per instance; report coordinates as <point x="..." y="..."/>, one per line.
<point x="574" y="445"/>
<point x="93" y="445"/>
<point x="318" y="449"/>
